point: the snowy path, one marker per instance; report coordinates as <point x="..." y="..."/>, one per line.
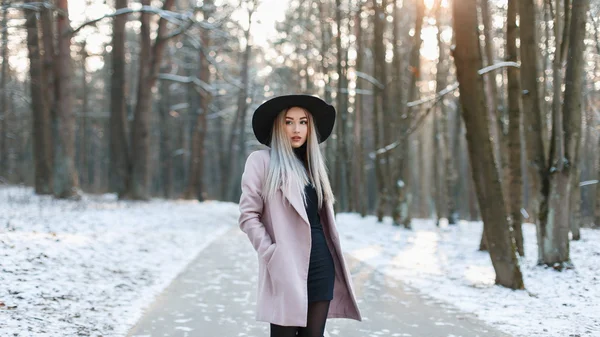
<point x="215" y="297"/>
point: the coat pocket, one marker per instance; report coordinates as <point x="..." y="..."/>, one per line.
<point x="271" y="258"/>
<point x="268" y="254"/>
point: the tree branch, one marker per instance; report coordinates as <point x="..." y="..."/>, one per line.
<point x="436" y="98"/>
<point x="179" y="19"/>
<point x="207" y="88"/>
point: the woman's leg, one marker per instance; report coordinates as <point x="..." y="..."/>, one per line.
<point x="317" y="317"/>
<point x="283" y="331"/>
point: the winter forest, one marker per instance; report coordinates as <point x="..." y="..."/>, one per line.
<point x="476" y="120"/>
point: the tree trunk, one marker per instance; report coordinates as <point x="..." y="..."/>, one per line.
<point x="242" y="104"/>
<point x="500" y="145"/>
<point x="150" y="59"/>
<point x="4" y="96"/>
<point x="532" y="118"/>
<point x="166" y="151"/>
<point x="572" y="123"/>
<point x="401" y="210"/>
<point x="450" y="162"/>
<point x="514" y="182"/>
<point x="119" y="146"/>
<point x="65" y="172"/>
<point x="441" y="148"/>
<point x="195" y="187"/>
<point x="41" y="132"/>
<point x="342" y="152"/>
<point x="485" y="173"/>
<point x="597" y="203"/>
<point x="83" y="127"/>
<point x="359" y="174"/>
<point x="379" y="69"/>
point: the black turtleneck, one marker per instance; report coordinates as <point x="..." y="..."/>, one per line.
<point x="300" y="152"/>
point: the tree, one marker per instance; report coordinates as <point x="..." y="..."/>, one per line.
<point x="564" y="149"/>
<point x="532" y="114"/>
<point x="402" y="199"/>
<point x="4" y="94"/>
<point x="66" y="182"/>
<point x="150" y="58"/>
<point x="379" y="69"/>
<point x="195" y="188"/>
<point x="485" y="173"/>
<point x="42" y="138"/>
<point x="119" y="154"/>
<point x="515" y="186"/>
<point x="572" y="109"/>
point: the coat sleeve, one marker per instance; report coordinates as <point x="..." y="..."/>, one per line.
<point x="251" y="206"/>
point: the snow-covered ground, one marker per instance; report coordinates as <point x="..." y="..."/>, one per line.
<point x="445" y="264"/>
<point x="89" y="268"/>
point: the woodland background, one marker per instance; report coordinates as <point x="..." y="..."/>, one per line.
<point x="472" y="109"/>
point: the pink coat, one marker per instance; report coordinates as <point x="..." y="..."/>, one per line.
<point x="279" y="230"/>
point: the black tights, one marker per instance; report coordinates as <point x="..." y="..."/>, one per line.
<point x="315" y="323"/>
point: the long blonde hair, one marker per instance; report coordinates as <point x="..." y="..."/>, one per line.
<point x="287" y="171"/>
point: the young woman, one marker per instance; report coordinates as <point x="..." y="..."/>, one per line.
<point x="286" y="211"/>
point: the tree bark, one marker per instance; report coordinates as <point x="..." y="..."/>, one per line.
<point x="515" y="184"/>
<point x="441" y="147"/>
<point x="358" y="173"/>
<point x="166" y="150"/>
<point x="379" y="69"/>
<point x="485" y="173"/>
<point x="65" y="173"/>
<point x="195" y="186"/>
<point x="83" y="127"/>
<point x="342" y="153"/>
<point x="532" y="118"/>
<point x="4" y="96"/>
<point x="401" y="211"/>
<point x="572" y="111"/>
<point x="41" y="132"/>
<point x="119" y="145"/>
<point x="150" y="59"/>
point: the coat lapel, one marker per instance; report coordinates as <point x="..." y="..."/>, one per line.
<point x="295" y="199"/>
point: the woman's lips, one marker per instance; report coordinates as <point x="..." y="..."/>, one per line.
<point x="296" y="139"/>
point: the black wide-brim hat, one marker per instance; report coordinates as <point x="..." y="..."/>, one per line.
<point x="264" y="116"/>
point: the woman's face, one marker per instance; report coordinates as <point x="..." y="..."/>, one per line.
<point x="296" y="126"/>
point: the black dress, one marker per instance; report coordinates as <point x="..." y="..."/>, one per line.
<point x="321" y="270"/>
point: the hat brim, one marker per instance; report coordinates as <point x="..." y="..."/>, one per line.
<point x="323" y="115"/>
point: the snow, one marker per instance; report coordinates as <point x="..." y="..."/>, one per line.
<point x="444" y="263"/>
<point x="89" y="268"/>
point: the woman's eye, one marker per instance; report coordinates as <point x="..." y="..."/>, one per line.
<point x="303" y="122"/>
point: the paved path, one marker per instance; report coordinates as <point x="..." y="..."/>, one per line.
<point x="215" y="297"/>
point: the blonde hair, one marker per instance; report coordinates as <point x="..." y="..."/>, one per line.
<point x="287" y="171"/>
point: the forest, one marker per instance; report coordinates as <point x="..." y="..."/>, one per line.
<point x="460" y="110"/>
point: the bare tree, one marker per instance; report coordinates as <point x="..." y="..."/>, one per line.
<point x="42" y="140"/>
<point x="441" y="148"/>
<point x="572" y="108"/>
<point x="379" y="89"/>
<point x="119" y="156"/>
<point x="195" y="187"/>
<point x="402" y="200"/>
<point x="358" y="172"/>
<point x="485" y="173"/>
<point x="150" y="58"/>
<point x="532" y="115"/>
<point x="564" y="152"/>
<point x="4" y="97"/>
<point x="515" y="185"/>
<point x="65" y="179"/>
